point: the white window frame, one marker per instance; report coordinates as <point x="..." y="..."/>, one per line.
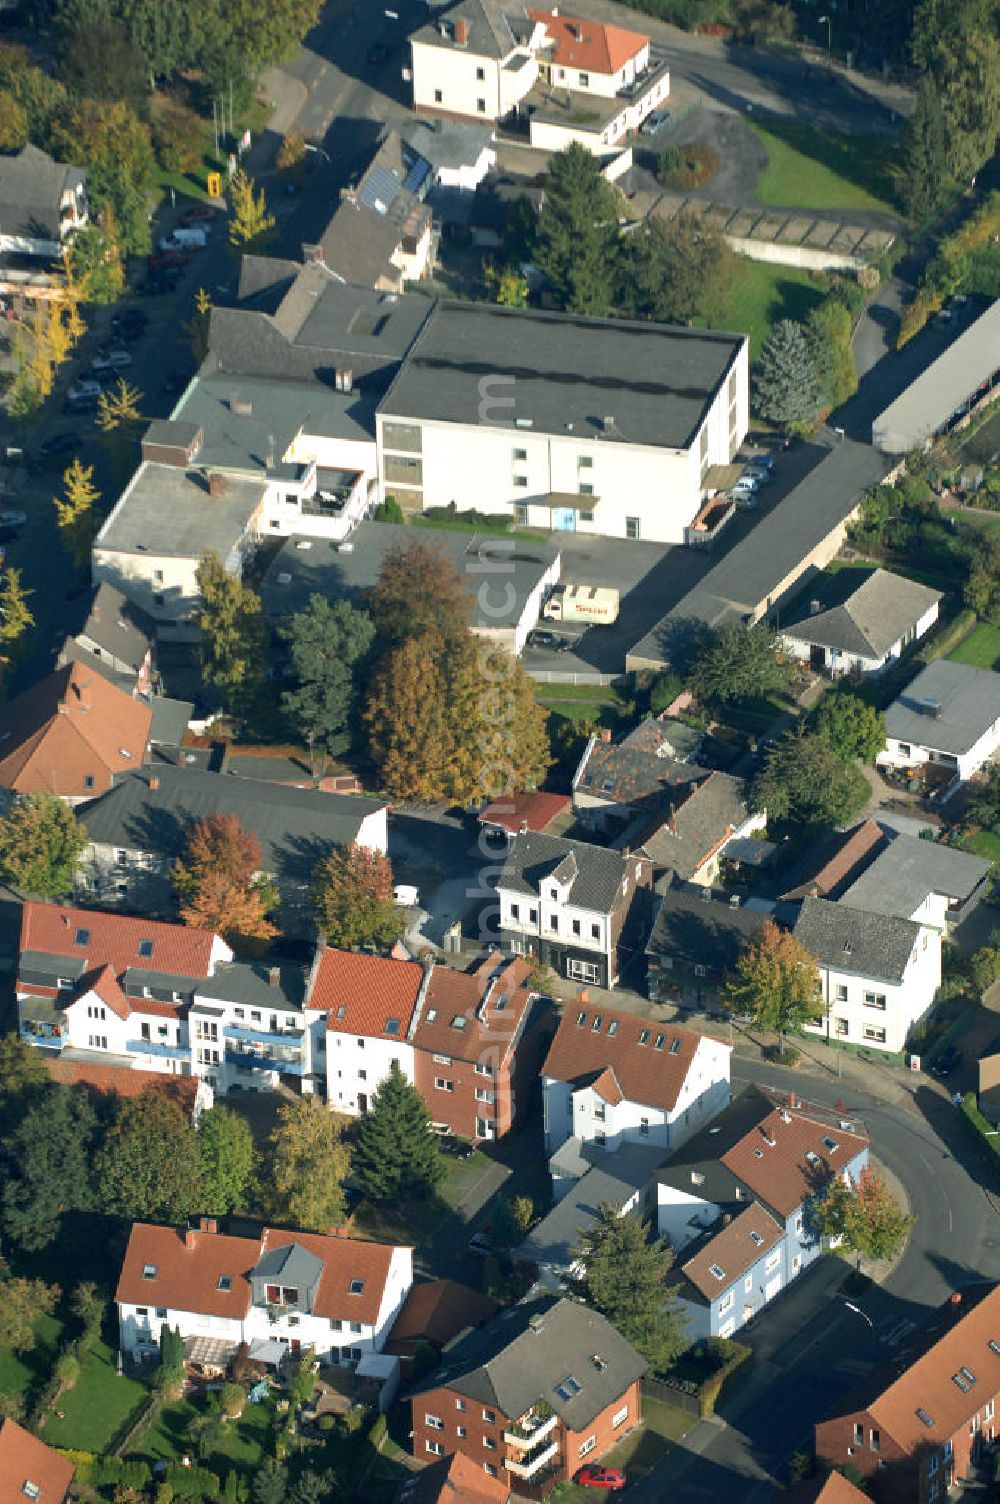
<point x="619" y="1418"/>
<point x="586" y="1447"/>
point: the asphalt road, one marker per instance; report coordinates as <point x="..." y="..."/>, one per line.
<point x="809" y="1342"/>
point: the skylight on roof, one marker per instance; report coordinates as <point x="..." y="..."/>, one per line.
<point x="675" y="1046"/>
<point x="356" y="1287"/>
<point x="145" y="947"/>
<point x="758" y="1154"/>
<point x="82" y="937"/>
<point x="967" y="1374"/>
<point x="659" y="1041"/>
<point x="149" y="1271"/>
<point x="569" y="1387"/>
<point x="643" y="1036"/>
<point x="225" y="1283"/>
<point x="432" y="1014"/>
<point x="961" y="1381"/>
<point x="757" y="1238"/>
<point x="581" y="1018"/>
<point x="994" y="1346"/>
<point x="459" y="1021"/>
<point x="612" y="1028"/>
<point x="392" y="1026"/>
<point x="922" y="1415"/>
<point x="596" y="1025"/>
<point x="718" y="1272"/>
<point x="342" y="1011"/>
<point x="831" y="1144"/>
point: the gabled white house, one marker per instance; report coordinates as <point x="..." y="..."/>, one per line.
<point x="949" y="717"/>
<point x="613" y="1078"/>
<point x="279" y="1293"/>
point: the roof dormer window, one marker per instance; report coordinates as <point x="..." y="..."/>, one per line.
<point x="145" y="948"/>
<point x="82" y="937"/>
<point x="356" y="1287"/>
<point x="149" y="1271"/>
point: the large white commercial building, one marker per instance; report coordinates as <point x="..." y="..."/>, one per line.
<point x="594" y="425"/>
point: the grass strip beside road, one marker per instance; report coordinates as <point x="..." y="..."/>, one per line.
<point x="821" y="170"/>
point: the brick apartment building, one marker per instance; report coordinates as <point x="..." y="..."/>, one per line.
<point x="913" y="1432"/>
<point x="546" y="1387"/>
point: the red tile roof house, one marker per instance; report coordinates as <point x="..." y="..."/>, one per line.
<point x="336" y="1294"/>
<point x="469" y="1041"/>
<point x="70" y="734"/>
<point x="31" y="1472"/>
<point x="529" y="1399"/>
<point x="436" y="1312"/>
<point x="913" y="1433"/>
<point x="454" y="1480"/>
<point x="735" y="1204"/>
<point x="111" y="990"/>
<point x="612" y="1078"/>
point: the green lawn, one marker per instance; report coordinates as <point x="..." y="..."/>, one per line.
<point x="245" y="1444"/>
<point x="816" y="169"/>
<point x="981" y="648"/>
<point x="763" y="294"/>
<point x="984" y="843"/>
<point x="410" y="1222"/>
<point x="640" y="1451"/>
<point x="19" y="1371"/>
<point x="97" y="1407"/>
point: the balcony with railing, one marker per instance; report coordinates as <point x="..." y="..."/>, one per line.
<point x="531" y="1428"/>
<point x="247" y="1035"/>
<point x="43" y="1024"/>
<point x="158" y="1047"/>
<point x="251" y="1057"/>
<point x="529" y="1464"/>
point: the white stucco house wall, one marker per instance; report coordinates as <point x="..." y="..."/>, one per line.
<point x="948" y="716"/>
<point x="862" y="626"/>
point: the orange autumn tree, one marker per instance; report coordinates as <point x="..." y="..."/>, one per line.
<point x="775" y="981"/>
<point x="219" y="882"/>
<point x="354" y="895"/>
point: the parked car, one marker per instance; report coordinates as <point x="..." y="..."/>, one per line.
<point x="160" y="260"/>
<point x="13" y="519"/>
<point x="744" y="495"/>
<point x="198" y="214"/>
<point x="757" y="474"/>
<point x="759" y="461"/>
<point x="596" y="1476"/>
<point x="111" y="362"/>
<point x="59" y="443"/>
<point x="189" y="238"/>
<point x="946" y="1062"/>
<point x="652" y="122"/>
<point x="83" y="396"/>
<point x="553" y="641"/>
<point x="479" y="1244"/>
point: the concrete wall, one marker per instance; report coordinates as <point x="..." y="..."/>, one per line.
<point x="809" y="258"/>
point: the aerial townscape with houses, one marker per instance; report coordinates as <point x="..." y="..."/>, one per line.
<point x="499" y="751"/>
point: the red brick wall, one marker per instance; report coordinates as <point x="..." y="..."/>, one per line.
<point x="606" y="1435"/>
<point x="459" y="1106"/>
<point x="444" y="1403"/>
<point x="903" y="1478"/>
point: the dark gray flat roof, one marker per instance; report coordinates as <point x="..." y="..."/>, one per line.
<point x="657" y="382"/>
<point x="862" y="611"/>
<point x="250" y="983"/>
<point x="168" y="511"/>
<point x="254" y="442"/>
<point x="902" y="876"/>
<point x="323" y="569"/>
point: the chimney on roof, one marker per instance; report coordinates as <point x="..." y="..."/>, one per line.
<point x="461" y="31"/>
<point x="956" y="1298"/>
<point x="273" y="976"/>
<point x="216" y="484"/>
<point x="207" y="1224"/>
<point x="604" y="733"/>
<point x="154" y="784"/>
<point x="582" y="995"/>
<point x="814" y="608"/>
<point x="241" y="407"/>
<point x="82" y="691"/>
<point x="727" y="1217"/>
<point x="189" y="1237"/>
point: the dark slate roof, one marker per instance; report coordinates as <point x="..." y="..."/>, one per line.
<point x="295" y="827"/>
<point x="535" y="856"/>
<point x="967" y="701"/>
<point x="249" y="983"/>
<point x="647" y="762"/>
<point x="31" y="187"/>
<point x="908" y="870"/>
<point x="449" y="143"/>
<point x="853" y="940"/>
<point x="292" y="1264"/>
<point x="118" y="626"/>
<point x="861" y="612"/>
<point x="494" y="29"/>
<point x="530" y="1349"/>
<point x="694" y="926"/>
<point x="752" y="571"/>
<point x="699" y="823"/>
<point x="656" y="381"/>
<point x="613" y="1178"/>
<point x="73" y="652"/>
<point x="170" y="721"/>
<point x="136" y="978"/>
<point x="368" y="225"/>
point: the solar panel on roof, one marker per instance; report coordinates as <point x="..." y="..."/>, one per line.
<point x="379" y="189"/>
<point x="417" y="176"/>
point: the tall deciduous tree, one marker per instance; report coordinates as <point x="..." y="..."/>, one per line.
<point x="232" y="632"/>
<point x="805" y="782"/>
<point x="353" y="892"/>
<point x="828" y="336"/>
<point x="736" y="663"/>
<point x="671" y="272"/>
<point x="15" y="613"/>
<point x="75" y="510"/>
<point x="22" y="1302"/>
<point x="418" y="590"/>
<point x="115" y="145"/>
<point x="219" y="881"/>
<point x="250" y="224"/>
<point x="327" y="645"/>
<point x="396" y="1153"/>
<point x="853" y="728"/>
<point x="149" y="1168"/>
<point x="578" y="232"/>
<point x="406" y="714"/>
<point x="49" y="1160"/>
<point x="865" y="1214"/>
<point x="225" y="1145"/>
<point x="785" y="389"/>
<point x="41" y="842"/>
<point x="309" y="1161"/>
<point x="625" y="1277"/>
<point x="775" y="981"/>
<point x="23" y="1078"/>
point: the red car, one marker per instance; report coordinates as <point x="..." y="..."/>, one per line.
<point x="160" y="260"/>
<point x="197" y="214"/>
<point x="600" y="1477"/>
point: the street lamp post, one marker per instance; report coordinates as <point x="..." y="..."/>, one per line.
<point x="311" y="146"/>
<point x="829" y="37"/>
